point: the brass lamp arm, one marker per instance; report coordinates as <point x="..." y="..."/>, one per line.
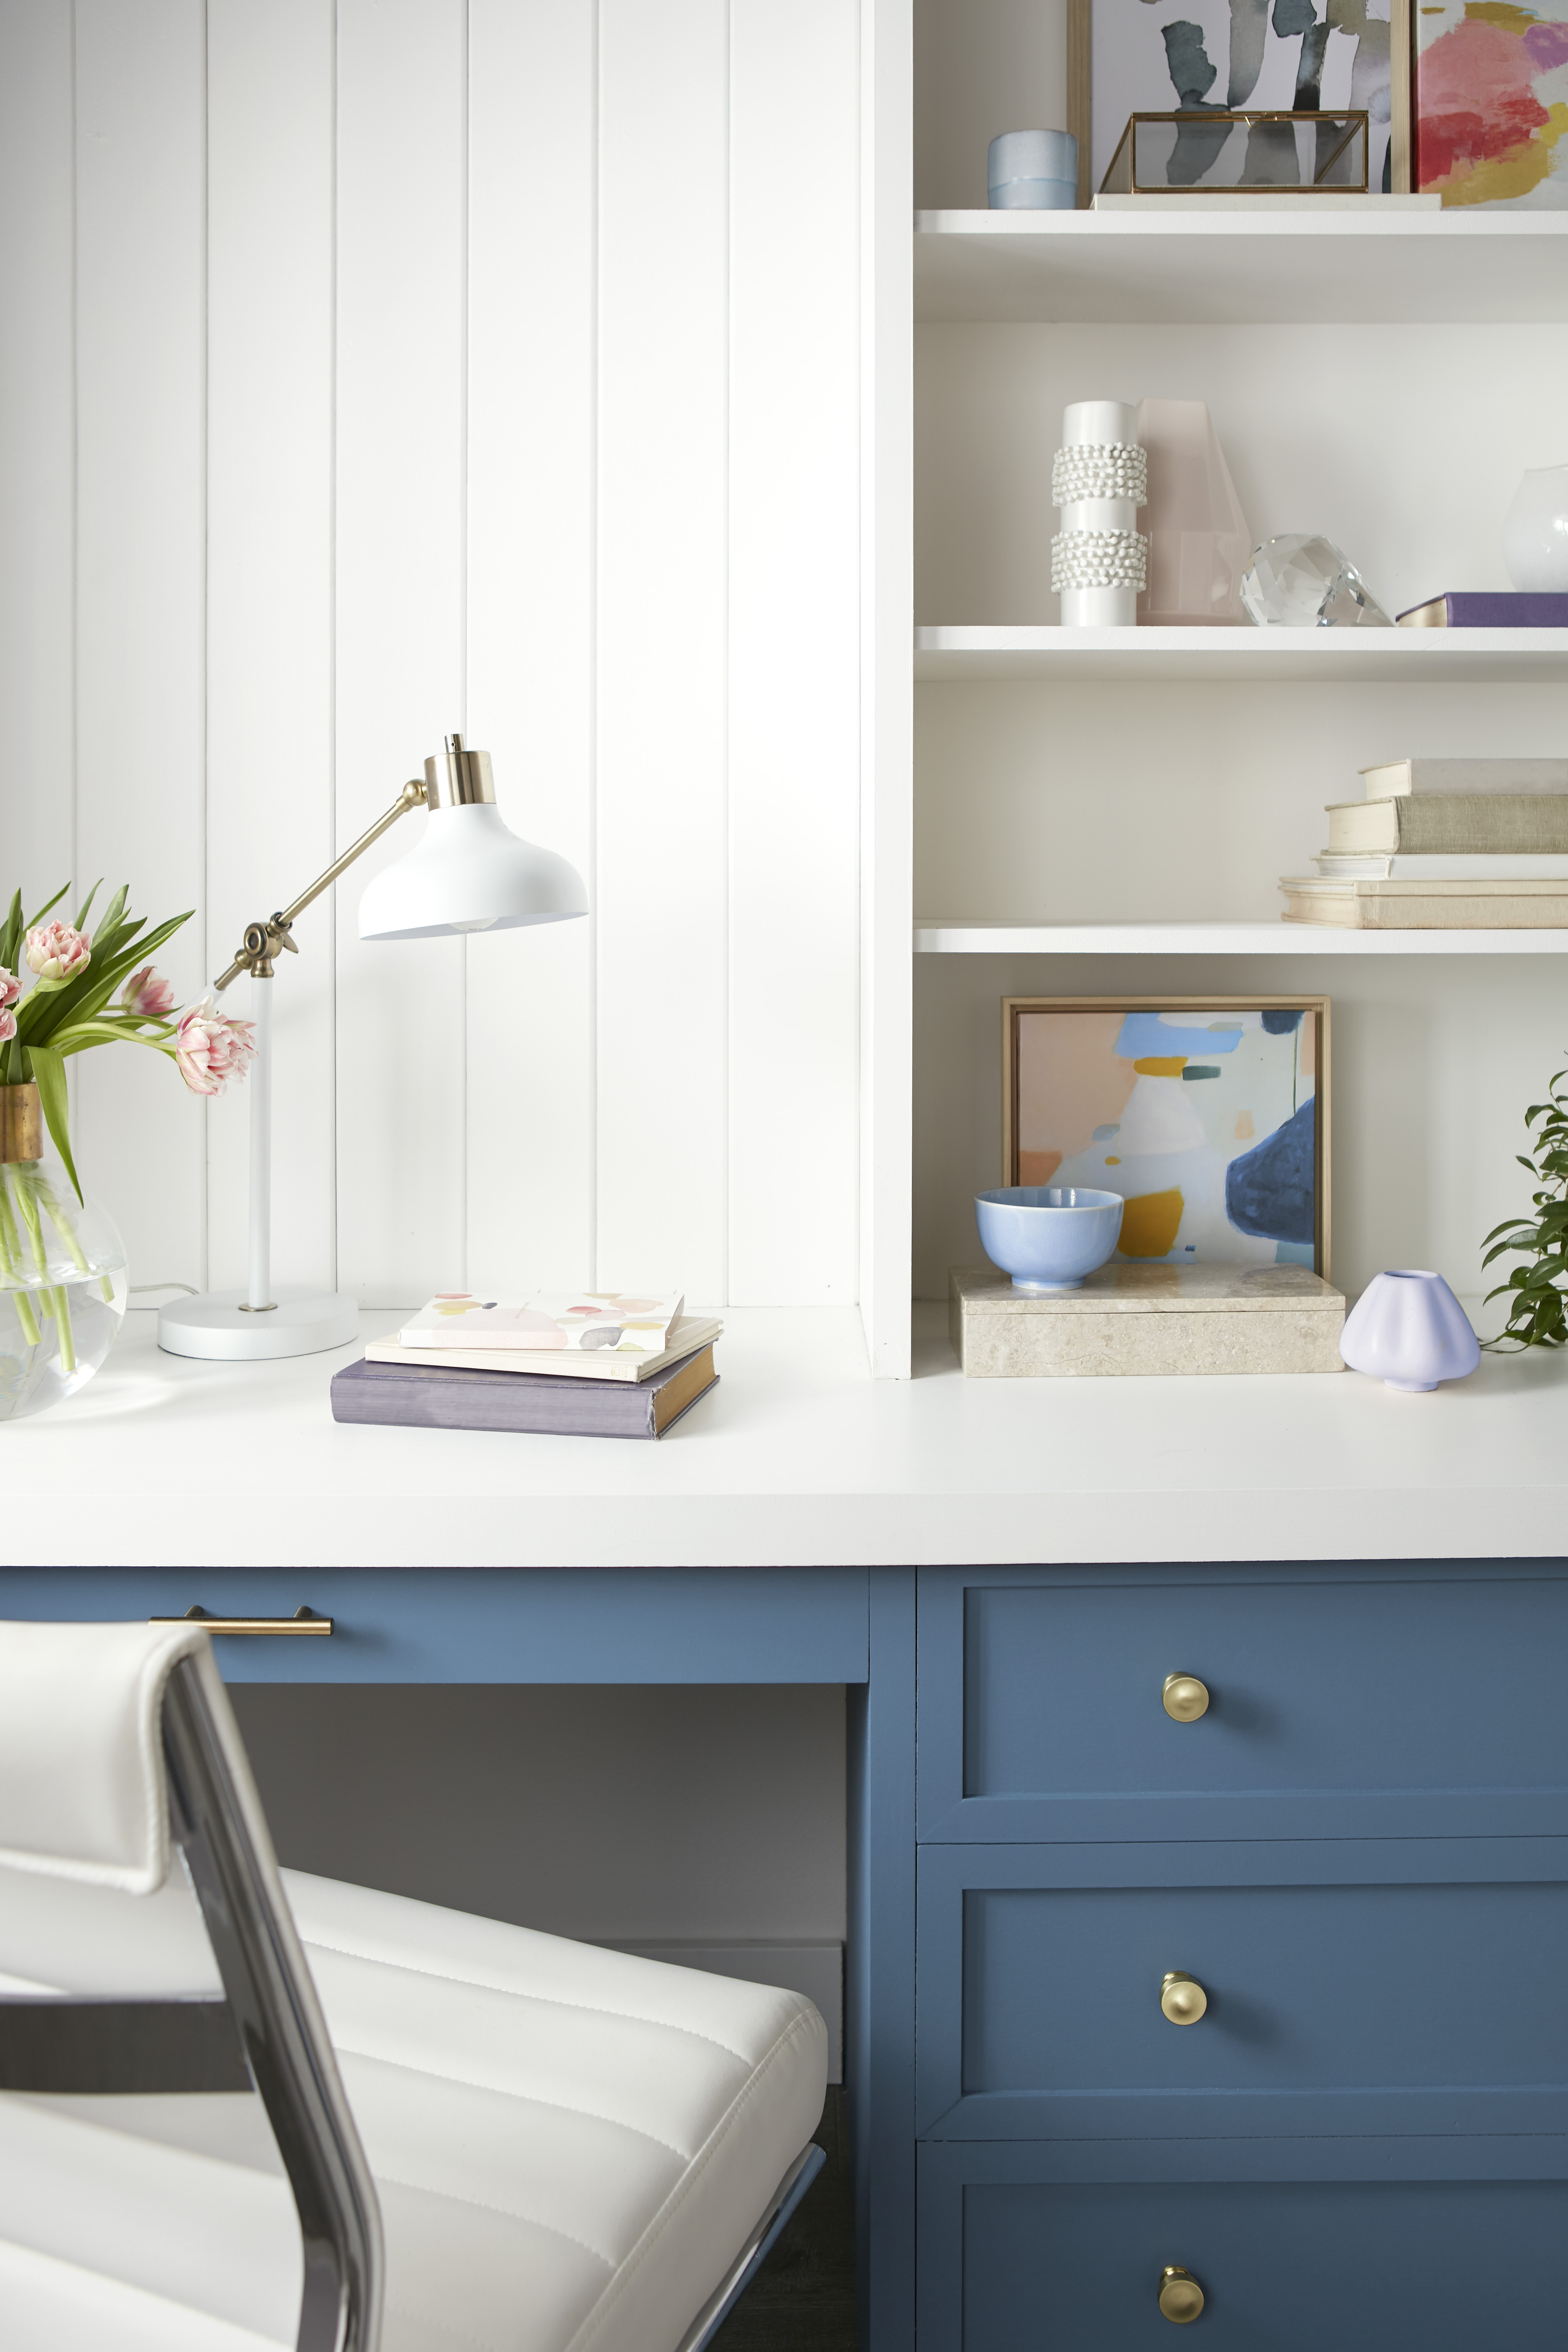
<point x="263" y="941"/>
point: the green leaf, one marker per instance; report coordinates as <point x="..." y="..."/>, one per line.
<point x="88" y="995"/>
<point x="82" y="914"/>
<point x="11" y="934"/>
<point x="49" y="1074"/>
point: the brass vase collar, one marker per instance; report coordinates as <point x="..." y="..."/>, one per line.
<point x="21" y="1123"/>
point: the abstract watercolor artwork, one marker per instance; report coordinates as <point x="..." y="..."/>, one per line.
<point x="1207" y="1117"/>
<point x="1491" y="102"/>
<point x="1194" y="56"/>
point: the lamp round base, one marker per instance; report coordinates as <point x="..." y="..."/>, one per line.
<point x="218" y="1325"/>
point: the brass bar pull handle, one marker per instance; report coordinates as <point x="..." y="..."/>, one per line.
<point x="303" y="1620"/>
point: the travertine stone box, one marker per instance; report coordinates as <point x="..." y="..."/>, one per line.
<point x="1147" y="1319"/>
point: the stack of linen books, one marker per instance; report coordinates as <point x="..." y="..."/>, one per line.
<point x="587" y="1363"/>
<point x="1444" y="845"/>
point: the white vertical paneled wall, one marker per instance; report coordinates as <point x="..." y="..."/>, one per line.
<point x="381" y="367"/>
<point x="269" y="588"/>
<point x="139" y="138"/>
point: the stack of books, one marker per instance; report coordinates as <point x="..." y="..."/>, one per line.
<point x="574" y="1364"/>
<point x="1444" y="845"/>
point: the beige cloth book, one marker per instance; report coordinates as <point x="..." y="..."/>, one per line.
<point x="569" y="1364"/>
<point x="1393" y="906"/>
<point x="1428" y="776"/>
<point x="1493" y="825"/>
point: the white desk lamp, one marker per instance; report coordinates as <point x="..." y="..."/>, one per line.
<point x="468" y="874"/>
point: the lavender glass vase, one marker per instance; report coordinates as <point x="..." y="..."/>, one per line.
<point x="1408" y="1331"/>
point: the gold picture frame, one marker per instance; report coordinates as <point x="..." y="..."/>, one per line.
<point x="1080" y="96"/>
<point x="1312" y="1007"/>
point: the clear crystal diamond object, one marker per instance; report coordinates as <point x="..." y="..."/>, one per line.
<point x="1302" y="582"/>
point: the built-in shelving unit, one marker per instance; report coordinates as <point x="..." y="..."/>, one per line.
<point x="1282" y="939"/>
<point x="1304" y="656"/>
<point x="1251" y="269"/>
<point x="1116" y="806"/>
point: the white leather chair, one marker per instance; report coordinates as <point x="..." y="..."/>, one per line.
<point x="243" y="2108"/>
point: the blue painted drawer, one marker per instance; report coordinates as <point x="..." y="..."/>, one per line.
<point x="1292" y="2265"/>
<point x="1357" y="1987"/>
<point x="496" y="1624"/>
<point x="1383" y="1701"/>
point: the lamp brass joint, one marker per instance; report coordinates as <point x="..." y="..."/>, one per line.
<point x="21" y="1123"/>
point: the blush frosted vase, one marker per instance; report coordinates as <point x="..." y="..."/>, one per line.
<point x="1408" y="1331"/>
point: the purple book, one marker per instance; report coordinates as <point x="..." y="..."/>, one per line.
<point x="438" y="1396"/>
<point x="1503" y="609"/>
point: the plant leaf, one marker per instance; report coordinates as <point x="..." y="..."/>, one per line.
<point x="87" y="903"/>
<point x="49" y="1075"/>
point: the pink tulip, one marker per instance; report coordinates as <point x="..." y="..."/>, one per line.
<point x="7" y="1025"/>
<point x="147" y="994"/>
<point x="211" y="1049"/>
<point x="10" y="988"/>
<point x="56" y="952"/>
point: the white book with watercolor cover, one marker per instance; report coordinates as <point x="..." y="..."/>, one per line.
<point x="629" y="1322"/>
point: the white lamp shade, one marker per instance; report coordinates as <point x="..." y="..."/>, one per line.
<point x="470" y="873"/>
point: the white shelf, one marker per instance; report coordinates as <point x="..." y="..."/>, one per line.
<point x="1303" y="657"/>
<point x="799" y="1457"/>
<point x="1280" y="938"/>
<point x="1243" y="268"/>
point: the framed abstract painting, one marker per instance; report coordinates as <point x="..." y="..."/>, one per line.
<point x="1491" y="102"/>
<point x="1127" y="56"/>
<point x="1208" y="1115"/>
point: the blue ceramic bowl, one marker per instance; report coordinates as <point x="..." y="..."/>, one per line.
<point x="1048" y="1237"/>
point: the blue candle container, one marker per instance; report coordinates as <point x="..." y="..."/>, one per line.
<point x="1033" y="171"/>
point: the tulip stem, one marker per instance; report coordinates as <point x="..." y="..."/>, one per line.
<point x="11" y="1256"/>
<point x="56" y="1297"/>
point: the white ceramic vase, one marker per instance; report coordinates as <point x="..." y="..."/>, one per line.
<point x="1409" y="1331"/>
<point x="1098" y="481"/>
<point x="1535" y="533"/>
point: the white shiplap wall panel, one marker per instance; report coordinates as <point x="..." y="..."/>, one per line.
<point x="141" y="655"/>
<point x="269" y="591"/>
<point x="37" y="446"/>
<point x="532" y="175"/>
<point x="401" y="462"/>
<point x="661" y="837"/>
<point x="503" y="377"/>
<point x="887" y="721"/>
<point x="793" y="757"/>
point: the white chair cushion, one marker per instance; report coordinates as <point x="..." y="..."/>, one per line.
<point x="569" y="2146"/>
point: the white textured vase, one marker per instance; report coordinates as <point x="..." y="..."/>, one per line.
<point x="1408" y="1331"/>
<point x="1535" y="533"/>
<point x="1098" y="481"/>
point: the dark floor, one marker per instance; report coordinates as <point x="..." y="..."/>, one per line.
<point x="802" y="2299"/>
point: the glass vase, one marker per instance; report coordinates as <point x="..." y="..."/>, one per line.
<point x="62" y="1271"/>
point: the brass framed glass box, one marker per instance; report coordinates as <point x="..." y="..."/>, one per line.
<point x="1237" y="152"/>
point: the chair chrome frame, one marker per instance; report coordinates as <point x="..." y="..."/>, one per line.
<point x="266" y="2033"/>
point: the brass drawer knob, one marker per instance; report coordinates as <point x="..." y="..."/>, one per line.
<point x="1181" y="2297"/>
<point x="1186" y="1698"/>
<point x="1182" y="1997"/>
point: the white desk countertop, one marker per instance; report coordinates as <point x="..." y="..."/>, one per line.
<point x="797" y="1458"/>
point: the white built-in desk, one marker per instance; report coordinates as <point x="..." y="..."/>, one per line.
<point x="797" y="1458"/>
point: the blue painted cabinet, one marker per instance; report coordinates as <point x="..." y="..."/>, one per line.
<point x="1358" y="1851"/>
